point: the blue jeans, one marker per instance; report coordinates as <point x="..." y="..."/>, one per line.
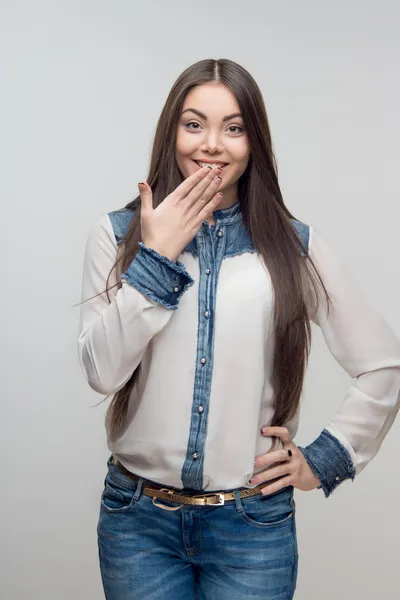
<point x="244" y="549"/>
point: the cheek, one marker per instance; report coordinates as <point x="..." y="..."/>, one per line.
<point x="241" y="154"/>
<point x="245" y="152"/>
<point x="241" y="163"/>
<point x="185" y="145"/>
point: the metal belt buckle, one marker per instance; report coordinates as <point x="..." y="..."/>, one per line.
<point x="221" y="500"/>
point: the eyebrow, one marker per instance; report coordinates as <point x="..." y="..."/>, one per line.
<point x="203" y="116"/>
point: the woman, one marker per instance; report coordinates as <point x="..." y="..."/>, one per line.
<point x="198" y="298"/>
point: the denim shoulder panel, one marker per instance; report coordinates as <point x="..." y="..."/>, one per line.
<point x="238" y="241"/>
<point x="120" y="221"/>
<point x="303" y="232"/>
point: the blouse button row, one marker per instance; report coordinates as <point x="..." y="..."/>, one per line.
<point x="203" y="361"/>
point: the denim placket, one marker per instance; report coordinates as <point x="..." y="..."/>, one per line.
<point x="211" y="246"/>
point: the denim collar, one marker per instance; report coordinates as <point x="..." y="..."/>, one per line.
<point x="225" y="216"/>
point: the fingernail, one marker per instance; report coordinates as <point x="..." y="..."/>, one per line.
<point x="290" y="453"/>
<point x="264" y="429"/>
<point x="140" y="183"/>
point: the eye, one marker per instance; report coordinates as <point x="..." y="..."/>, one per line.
<point x="192" y="123"/>
<point x="237" y="127"/>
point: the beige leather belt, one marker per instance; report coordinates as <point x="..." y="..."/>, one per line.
<point x="212" y="499"/>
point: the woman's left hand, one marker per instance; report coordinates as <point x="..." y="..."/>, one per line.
<point x="293" y="469"/>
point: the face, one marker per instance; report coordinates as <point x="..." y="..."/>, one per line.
<point x="211" y="130"/>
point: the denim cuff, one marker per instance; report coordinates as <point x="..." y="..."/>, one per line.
<point x="157" y="277"/>
<point x="330" y="461"/>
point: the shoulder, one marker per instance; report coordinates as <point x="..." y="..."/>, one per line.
<point x="109" y="230"/>
<point x="120" y="221"/>
<point x="303" y="231"/>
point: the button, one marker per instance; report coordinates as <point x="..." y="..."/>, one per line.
<point x="208" y="271"/>
<point x="195" y="455"/>
<point x="203" y="361"/>
<point x="220" y="234"/>
<point x="176" y="289"/>
<point x="337" y="478"/>
<point x="206" y="314"/>
<point x="201" y="409"/>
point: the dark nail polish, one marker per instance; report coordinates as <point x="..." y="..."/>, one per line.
<point x="290" y="453"/>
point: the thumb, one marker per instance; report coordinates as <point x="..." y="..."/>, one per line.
<point x="146" y="196"/>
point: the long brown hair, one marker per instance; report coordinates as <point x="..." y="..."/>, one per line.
<point x="294" y="277"/>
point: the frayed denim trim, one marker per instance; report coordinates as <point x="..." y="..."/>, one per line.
<point x="152" y="295"/>
<point x="192" y="251"/>
<point x="157" y="277"/>
<point x="330" y="461"/>
<point x="249" y="250"/>
<point x="177" y="266"/>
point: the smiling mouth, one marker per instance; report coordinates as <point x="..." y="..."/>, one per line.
<point x="207" y="164"/>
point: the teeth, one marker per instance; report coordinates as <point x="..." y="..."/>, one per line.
<point x="212" y="165"/>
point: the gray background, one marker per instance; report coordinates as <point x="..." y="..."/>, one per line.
<point x="82" y="87"/>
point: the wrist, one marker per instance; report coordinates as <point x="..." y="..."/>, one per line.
<point x="162" y="251"/>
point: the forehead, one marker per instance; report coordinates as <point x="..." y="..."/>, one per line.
<point x="212" y="98"/>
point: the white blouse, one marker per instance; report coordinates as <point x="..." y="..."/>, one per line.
<point x="204" y="389"/>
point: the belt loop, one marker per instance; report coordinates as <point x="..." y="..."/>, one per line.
<point x="138" y="489"/>
<point x="238" y="501"/>
<point x="292" y="500"/>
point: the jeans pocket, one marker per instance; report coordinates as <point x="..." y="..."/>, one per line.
<point x="269" y="511"/>
<point x="117" y="497"/>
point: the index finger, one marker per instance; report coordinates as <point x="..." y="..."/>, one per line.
<point x="280" y="432"/>
<point x="186" y="186"/>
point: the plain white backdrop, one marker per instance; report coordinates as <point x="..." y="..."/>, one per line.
<point x="83" y="83"/>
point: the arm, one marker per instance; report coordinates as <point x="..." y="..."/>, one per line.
<point x="364" y="345"/>
<point x="114" y="336"/>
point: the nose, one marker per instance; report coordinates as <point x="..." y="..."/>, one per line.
<point x="212" y="143"/>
